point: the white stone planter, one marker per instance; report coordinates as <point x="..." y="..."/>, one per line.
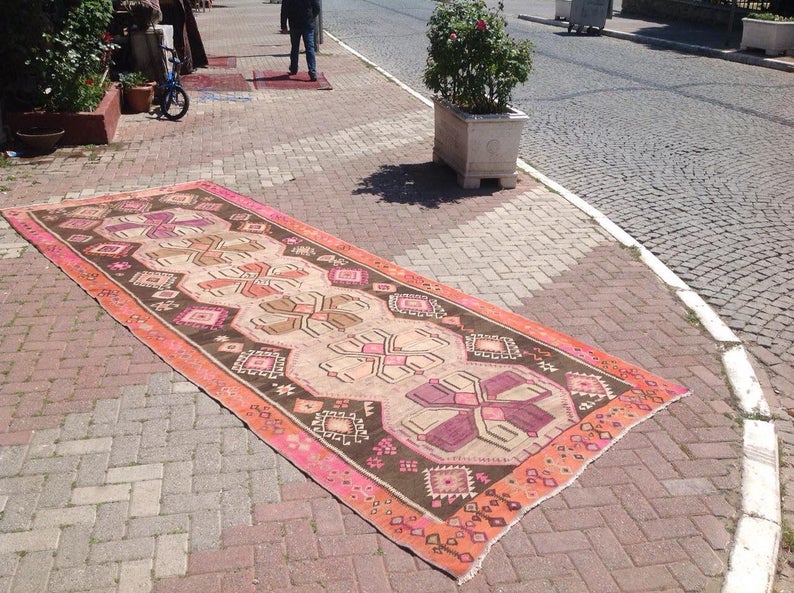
<point x="562" y="9"/>
<point x="478" y="147"/>
<point x="774" y="37"/>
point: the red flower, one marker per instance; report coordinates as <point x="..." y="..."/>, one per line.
<point x="453" y="36"/>
<point x="89" y="81"/>
<point x="107" y="37"/>
<point x="481" y="25"/>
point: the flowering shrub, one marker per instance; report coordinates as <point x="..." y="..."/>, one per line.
<point x="768" y="16"/>
<point x="71" y="63"/>
<point x="472" y="61"/>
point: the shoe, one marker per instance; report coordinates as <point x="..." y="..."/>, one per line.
<point x="313" y="77"/>
<point x="292" y="72"/>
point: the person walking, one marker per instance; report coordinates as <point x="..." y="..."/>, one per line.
<point x="301" y="15"/>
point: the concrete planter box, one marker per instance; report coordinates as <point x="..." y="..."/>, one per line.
<point x="95" y="127"/>
<point x="478" y="147"/>
<point x="774" y="37"/>
<point x="562" y="9"/>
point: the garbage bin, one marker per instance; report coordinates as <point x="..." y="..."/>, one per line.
<point x="592" y="14"/>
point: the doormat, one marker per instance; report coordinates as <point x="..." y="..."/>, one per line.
<point x="215" y="82"/>
<point x="222" y="61"/>
<point x="267" y="79"/>
<point x="439" y="418"/>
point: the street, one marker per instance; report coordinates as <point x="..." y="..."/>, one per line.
<point x="690" y="155"/>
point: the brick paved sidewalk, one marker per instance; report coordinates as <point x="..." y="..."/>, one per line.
<point x="118" y="475"/>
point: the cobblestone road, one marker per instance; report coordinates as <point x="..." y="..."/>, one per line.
<point x="690" y="155"/>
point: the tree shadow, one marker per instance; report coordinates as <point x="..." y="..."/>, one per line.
<point x="420" y="184"/>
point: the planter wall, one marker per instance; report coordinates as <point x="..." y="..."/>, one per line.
<point x="478" y="147"/>
<point x="774" y="37"/>
<point x="684" y="10"/>
<point x="95" y="127"/>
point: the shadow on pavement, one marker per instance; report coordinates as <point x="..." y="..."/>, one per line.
<point x="423" y="184"/>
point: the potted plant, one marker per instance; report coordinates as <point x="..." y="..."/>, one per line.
<point x="473" y="65"/>
<point x="56" y="55"/>
<point x="770" y="32"/>
<point x="138" y="91"/>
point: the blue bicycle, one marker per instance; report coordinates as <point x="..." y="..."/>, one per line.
<point x="174" y="101"/>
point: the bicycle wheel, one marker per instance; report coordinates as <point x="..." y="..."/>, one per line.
<point x="174" y="103"/>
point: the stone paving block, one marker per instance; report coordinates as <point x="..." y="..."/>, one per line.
<point x="713" y="531"/>
<point x="636" y="504"/>
<point x="83" y="446"/>
<point x="74" y="546"/>
<point x="111" y="521"/>
<point x="217" y="482"/>
<point x="18" y="512"/>
<point x="348" y="545"/>
<point x="100" y="494"/>
<point x="32" y="573"/>
<point x="688" y="576"/>
<point x="184" y="503"/>
<point x="206" y="583"/>
<point x="154" y="432"/>
<point x="145" y="498"/>
<point x="689" y="486"/>
<point x="543" y="567"/>
<point x="570" y="519"/>
<point x="648" y="578"/>
<point x="177" y="477"/>
<point x="122" y="550"/>
<point x="195" y="436"/>
<point x="205" y="529"/>
<point x="12" y="458"/>
<point x="125" y="448"/>
<point x="271" y="566"/>
<point x="135" y="577"/>
<point x="703" y="556"/>
<point x="77" y="515"/>
<point x="157" y="525"/>
<point x="29" y="541"/>
<point x="171" y="555"/>
<point x="75" y="427"/>
<point x="301" y="543"/>
<point x="430" y="581"/>
<point x="282" y="512"/>
<point x="92" y="469"/>
<point x="135" y="473"/>
<point x="239" y="582"/>
<point x="235" y="557"/>
<point x="148" y="455"/>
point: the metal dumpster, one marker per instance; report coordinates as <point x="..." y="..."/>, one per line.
<point x="589" y="14"/>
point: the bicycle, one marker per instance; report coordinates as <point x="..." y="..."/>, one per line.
<point x="174" y="101"/>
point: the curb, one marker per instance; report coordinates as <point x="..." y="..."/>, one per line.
<point x="700" y="50"/>
<point x="753" y="560"/>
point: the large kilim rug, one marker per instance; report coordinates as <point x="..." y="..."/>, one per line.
<point x="438" y="417"/>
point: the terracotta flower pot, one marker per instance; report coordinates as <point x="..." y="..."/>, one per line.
<point x="40" y="139"/>
<point x="139" y="98"/>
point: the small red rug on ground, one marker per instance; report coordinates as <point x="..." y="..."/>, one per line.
<point x="439" y="418"/>
<point x="267" y="79"/>
<point x="222" y="62"/>
<point x="197" y="81"/>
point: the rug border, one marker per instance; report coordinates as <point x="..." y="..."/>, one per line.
<point x="71" y="265"/>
